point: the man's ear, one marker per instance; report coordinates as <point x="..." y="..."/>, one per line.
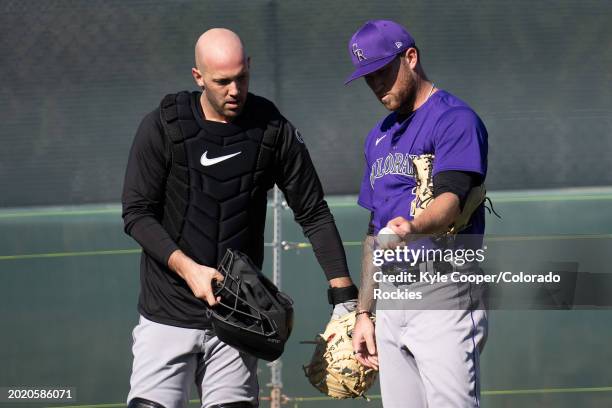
<point x="197" y="77"/>
<point x="412" y="57"/>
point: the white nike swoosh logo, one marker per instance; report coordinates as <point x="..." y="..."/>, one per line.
<point x="205" y="161"/>
<point x="378" y="139"/>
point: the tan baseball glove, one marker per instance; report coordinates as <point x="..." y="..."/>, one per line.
<point x="423" y="166"/>
<point x="333" y="368"/>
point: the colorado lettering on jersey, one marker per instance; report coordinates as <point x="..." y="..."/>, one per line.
<point x="393" y="163"/>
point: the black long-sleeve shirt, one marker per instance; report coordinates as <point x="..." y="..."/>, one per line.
<point x="165" y="297"/>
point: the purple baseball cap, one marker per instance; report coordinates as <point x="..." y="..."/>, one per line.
<point x="375" y="45"/>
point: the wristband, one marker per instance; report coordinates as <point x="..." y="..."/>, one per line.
<point x="340" y="295"/>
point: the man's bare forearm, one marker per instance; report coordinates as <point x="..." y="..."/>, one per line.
<point x="340" y="282"/>
<point x="180" y="263"/>
<point x="366" y="290"/>
<point x="438" y="215"/>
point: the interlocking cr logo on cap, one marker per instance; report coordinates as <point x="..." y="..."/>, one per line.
<point x="382" y="41"/>
<point x="358" y="52"/>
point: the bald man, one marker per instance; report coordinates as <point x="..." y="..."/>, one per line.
<point x="196" y="183"/>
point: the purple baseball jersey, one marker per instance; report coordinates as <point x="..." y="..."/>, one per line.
<point x="444" y="126"/>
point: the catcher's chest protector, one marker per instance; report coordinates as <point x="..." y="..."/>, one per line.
<point x="216" y="191"/>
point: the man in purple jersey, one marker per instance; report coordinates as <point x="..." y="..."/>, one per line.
<point x="427" y="357"/>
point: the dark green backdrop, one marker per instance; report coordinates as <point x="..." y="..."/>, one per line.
<point x="70" y="284"/>
<point x="77" y="77"/>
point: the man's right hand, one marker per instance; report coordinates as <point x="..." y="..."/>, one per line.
<point x="198" y="277"/>
<point x="364" y="342"/>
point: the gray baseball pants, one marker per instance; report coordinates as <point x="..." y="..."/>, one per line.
<point x="430" y="358"/>
<point x="169" y="359"/>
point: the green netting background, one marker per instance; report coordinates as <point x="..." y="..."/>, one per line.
<point x="77" y="77"/>
<point x="69" y="287"/>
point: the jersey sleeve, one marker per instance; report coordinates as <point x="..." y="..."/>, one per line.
<point x="144" y="189"/>
<point x="460" y="142"/>
<point x="298" y="180"/>
<point x="366" y="192"/>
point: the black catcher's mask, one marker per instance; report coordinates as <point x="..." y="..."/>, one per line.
<point x="253" y="315"/>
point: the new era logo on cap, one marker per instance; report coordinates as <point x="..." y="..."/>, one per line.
<point x="376" y="44"/>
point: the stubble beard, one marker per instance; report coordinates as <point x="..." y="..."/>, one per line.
<point x="406" y="105"/>
<point x="218" y="107"/>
